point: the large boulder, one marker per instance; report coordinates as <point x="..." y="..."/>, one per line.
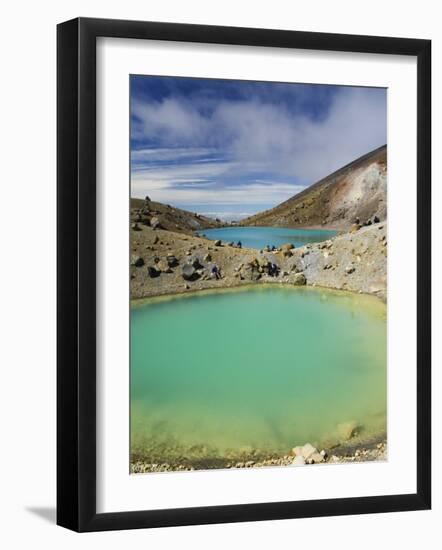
<point x="153" y="272"/>
<point x="286" y="249"/>
<point x="250" y="272"/>
<point x="262" y="261"/>
<point x="164" y="267"/>
<point x="308" y="450"/>
<point x="195" y="262"/>
<point x="316" y="458"/>
<point x="154" y="222"/>
<point x="299" y="461"/>
<point x="171" y="260"/>
<point x="136" y="261"/>
<point x="299" y="279"/>
<point x="189" y="273"/>
<point x="296" y="451"/>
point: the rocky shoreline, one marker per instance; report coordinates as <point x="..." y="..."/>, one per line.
<point x="373" y="449"/>
<point x="165" y="262"/>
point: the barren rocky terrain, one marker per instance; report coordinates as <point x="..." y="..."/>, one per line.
<point x="145" y="212"/>
<point x="165" y="262"/>
<point x="168" y="258"/>
<point x="356" y="192"/>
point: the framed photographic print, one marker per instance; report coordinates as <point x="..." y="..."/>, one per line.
<point x="243" y="274"/>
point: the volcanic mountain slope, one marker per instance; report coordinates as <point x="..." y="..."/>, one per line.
<point x="164" y="216"/>
<point x="358" y="191"/>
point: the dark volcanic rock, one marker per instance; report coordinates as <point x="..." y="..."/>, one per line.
<point x="189" y="273"/>
<point x="137" y="261"/>
<point x="195" y="262"/>
<point x="172" y="260"/>
<point x="299" y="279"/>
<point x="164" y="267"/>
<point x="153" y="272"/>
<point x="250" y="272"/>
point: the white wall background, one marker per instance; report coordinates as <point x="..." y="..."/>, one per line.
<point x="27" y="275"/>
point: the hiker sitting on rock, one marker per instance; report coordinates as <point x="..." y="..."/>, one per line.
<point x="215" y="272"/>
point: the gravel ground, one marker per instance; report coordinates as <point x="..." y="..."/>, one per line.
<point x="371" y="450"/>
<point x="355" y="261"/>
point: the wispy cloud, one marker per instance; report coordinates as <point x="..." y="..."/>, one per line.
<point x="186" y="185"/>
<point x="161" y="154"/>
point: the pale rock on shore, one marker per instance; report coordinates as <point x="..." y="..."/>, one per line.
<point x="306" y="455"/>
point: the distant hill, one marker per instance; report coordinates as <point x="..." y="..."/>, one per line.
<point x="164" y="216"/>
<point x="356" y="191"/>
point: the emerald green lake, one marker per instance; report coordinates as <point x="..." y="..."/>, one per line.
<point x="266" y="367"/>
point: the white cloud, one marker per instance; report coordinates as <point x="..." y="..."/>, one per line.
<point x="171" y="119"/>
<point x="162" y="177"/>
<point x="166" y="185"/>
<point x="161" y="154"/>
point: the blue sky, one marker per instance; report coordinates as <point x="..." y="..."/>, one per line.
<point x="230" y="148"/>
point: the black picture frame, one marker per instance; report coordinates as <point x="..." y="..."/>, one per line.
<point x="76" y="274"/>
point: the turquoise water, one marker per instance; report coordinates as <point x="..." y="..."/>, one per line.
<point x="259" y="237"/>
<point x="268" y="367"/>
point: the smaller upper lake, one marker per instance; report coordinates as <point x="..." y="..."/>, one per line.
<point x="259" y="237"/>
